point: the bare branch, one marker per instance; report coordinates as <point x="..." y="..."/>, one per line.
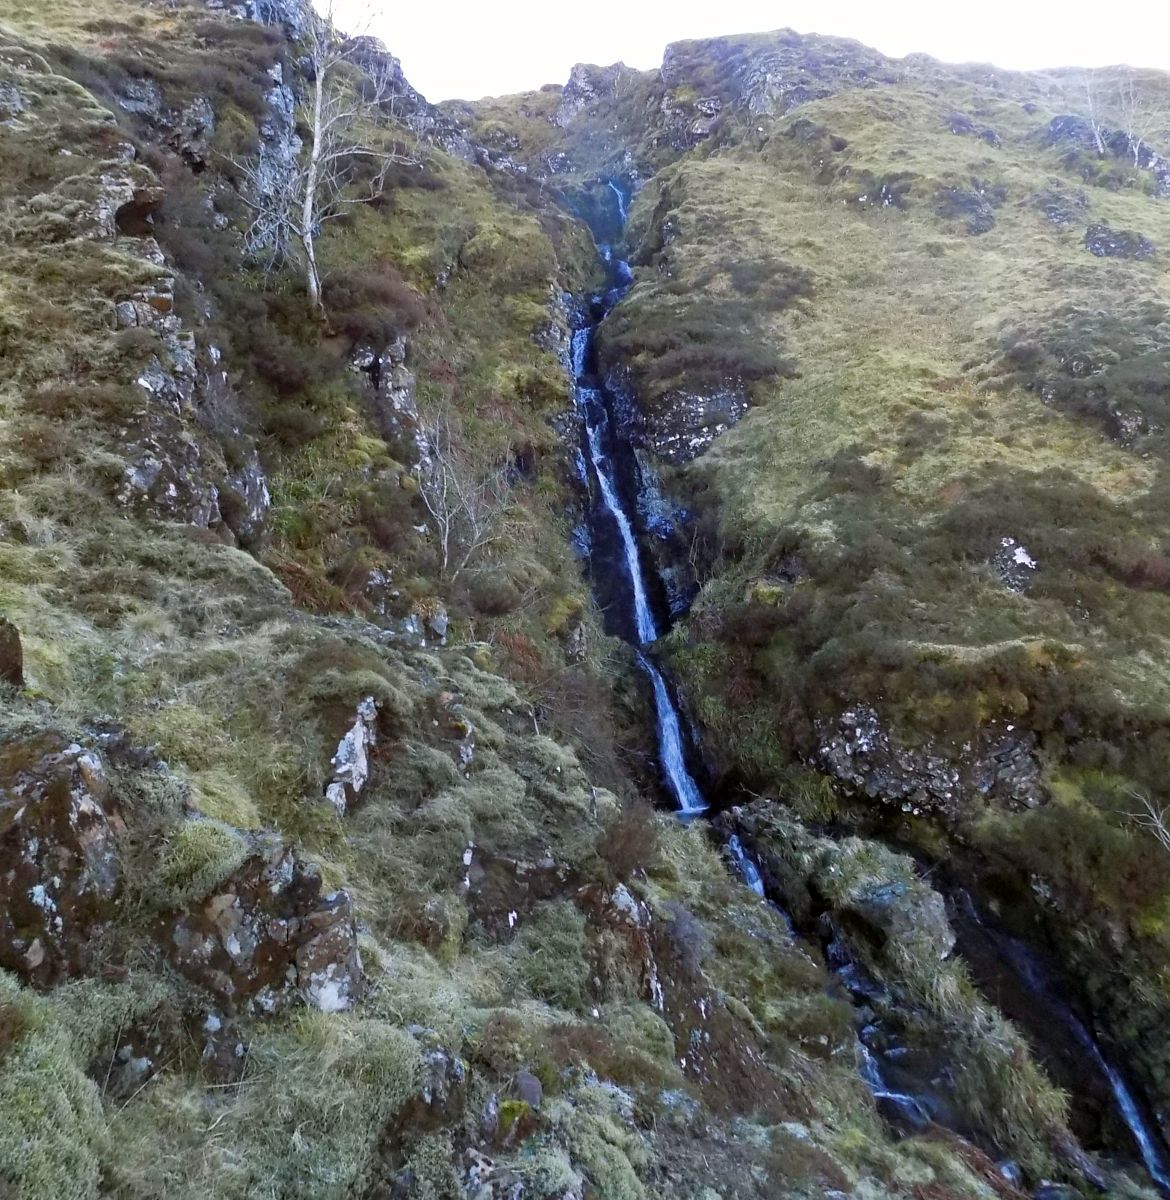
<point x="467" y="501"/>
<point x="344" y="110"/>
<point x="1152" y="818"/>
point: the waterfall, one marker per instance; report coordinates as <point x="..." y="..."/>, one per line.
<point x="670" y="745"/>
<point x="601" y="440"/>
<point x="745" y="864"/>
<point x="621" y="201"/>
<point x="596" y="421"/>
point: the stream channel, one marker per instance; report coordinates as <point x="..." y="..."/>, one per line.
<point x="632" y="598"/>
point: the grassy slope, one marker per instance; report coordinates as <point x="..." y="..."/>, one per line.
<point x="200" y="650"/>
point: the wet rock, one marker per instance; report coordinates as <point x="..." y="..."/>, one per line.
<point x="351" y="763"/>
<point x="59" y="867"/>
<point x="1104" y="242"/>
<point x="1001" y="764"/>
<point x="267" y="936"/>
<point x="11" y="655"/>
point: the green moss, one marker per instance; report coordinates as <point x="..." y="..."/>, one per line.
<point x="54" y="1132"/>
<point x="550" y="956"/>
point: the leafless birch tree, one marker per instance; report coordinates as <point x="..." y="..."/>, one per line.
<point x="1094" y="103"/>
<point x="1151" y="818"/>
<point x="467" y="500"/>
<point x="347" y="112"/>
<point x="1143" y="112"/>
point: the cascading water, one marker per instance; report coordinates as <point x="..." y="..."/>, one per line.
<point x="608" y="466"/>
<point x="1027" y="968"/>
<point x="602" y="439"/>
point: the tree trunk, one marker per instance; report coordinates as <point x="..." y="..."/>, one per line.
<point x="309" y="204"/>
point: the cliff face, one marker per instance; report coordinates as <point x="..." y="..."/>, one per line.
<point x="325" y="863"/>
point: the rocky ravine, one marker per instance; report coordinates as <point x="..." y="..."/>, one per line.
<point x="323" y="868"/>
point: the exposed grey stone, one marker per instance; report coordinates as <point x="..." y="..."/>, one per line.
<point x="1104" y="242"/>
<point x="12" y="101"/>
<point x="245" y="501"/>
<point x="351" y="762"/>
<point x="1000" y="764"/>
<point x="267" y="936"/>
<point x="1013" y="564"/>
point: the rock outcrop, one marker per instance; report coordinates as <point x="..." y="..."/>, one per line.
<point x="864" y="757"/>
<point x="1104" y="242"/>
<point x="268" y="936"/>
<point x="59" y="855"/>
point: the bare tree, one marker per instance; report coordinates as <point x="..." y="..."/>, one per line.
<point x="1094" y="105"/>
<point x="345" y="110"/>
<point x="1152" y="818"/>
<point x="1143" y="112"/>
<point x="467" y="500"/>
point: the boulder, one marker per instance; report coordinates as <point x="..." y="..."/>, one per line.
<point x="268" y="936"/>
<point x="1062" y="205"/>
<point x="901" y="913"/>
<point x="59" y="866"/>
<point x="975" y="204"/>
<point x="1104" y="242"/>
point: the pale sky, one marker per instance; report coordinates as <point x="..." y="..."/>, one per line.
<point x="464" y="49"/>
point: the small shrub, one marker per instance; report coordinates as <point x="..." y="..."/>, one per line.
<point x="372" y="306"/>
<point x="493" y="593"/>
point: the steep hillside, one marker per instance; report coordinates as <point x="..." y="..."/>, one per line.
<point x="327" y="866"/>
<point x="895" y="345"/>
